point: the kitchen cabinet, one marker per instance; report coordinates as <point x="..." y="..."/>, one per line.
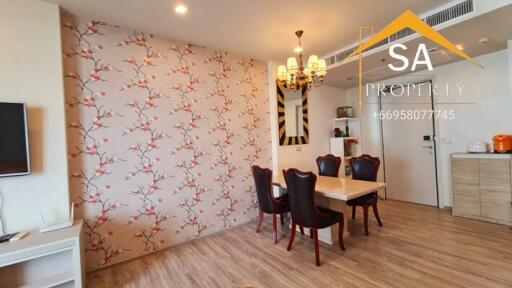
<point x="482" y="187"/>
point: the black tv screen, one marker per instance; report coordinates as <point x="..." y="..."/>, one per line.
<point x="14" y="154"/>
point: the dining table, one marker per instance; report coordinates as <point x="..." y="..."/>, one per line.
<point x="333" y="193"/>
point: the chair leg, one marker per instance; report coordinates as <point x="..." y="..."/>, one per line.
<point x="365" y="210"/>
<point x="282" y="218"/>
<point x="376" y="212"/>
<point x="341" y="227"/>
<point x="353" y="212"/>
<point x="292" y="236"/>
<point x="274" y="228"/>
<point x="260" y="217"/>
<point x="317" y="252"/>
<point x="311" y="233"/>
<point x="301" y="230"/>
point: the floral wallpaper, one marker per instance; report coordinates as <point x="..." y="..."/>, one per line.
<point x="161" y="137"/>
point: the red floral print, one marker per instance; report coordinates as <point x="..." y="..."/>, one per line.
<point x="145" y="166"/>
<point x="161" y="138"/>
<point x="91" y="146"/>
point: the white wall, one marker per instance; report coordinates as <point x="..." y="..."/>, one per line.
<point x="31" y="72"/>
<point x="491" y="113"/>
<point x="509" y="50"/>
<point x="322" y="104"/>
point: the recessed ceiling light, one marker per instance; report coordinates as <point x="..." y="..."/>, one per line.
<point x="460" y="47"/>
<point x="484" y="40"/>
<point x="433" y="49"/>
<point x="180" y="9"/>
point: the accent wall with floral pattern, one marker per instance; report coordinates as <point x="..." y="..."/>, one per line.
<point x="161" y="137"/>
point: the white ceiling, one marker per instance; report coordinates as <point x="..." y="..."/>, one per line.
<point x="262" y="29"/>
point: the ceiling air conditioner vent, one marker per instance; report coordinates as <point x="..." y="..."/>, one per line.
<point x="378" y="44"/>
<point x="340" y="56"/>
<point x="435" y="19"/>
<point x="401" y="34"/>
<point x="450" y="13"/>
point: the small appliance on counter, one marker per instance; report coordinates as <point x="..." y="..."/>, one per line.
<point x="502" y="143"/>
<point x="477" y="147"/>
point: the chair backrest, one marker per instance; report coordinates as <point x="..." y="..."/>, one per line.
<point x="301" y="193"/>
<point x="263" y="182"/>
<point x="328" y="165"/>
<point x="365" y="167"/>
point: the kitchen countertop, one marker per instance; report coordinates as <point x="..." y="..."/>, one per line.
<point x="488" y="155"/>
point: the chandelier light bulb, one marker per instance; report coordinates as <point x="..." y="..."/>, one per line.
<point x="282" y="73"/>
<point x="291" y="64"/>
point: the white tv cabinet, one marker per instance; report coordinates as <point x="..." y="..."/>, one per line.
<point x="51" y="259"/>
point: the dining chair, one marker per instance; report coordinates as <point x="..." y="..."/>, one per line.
<point x="365" y="167"/>
<point x="267" y="202"/>
<point x="303" y="209"/>
<point x="328" y="165"/>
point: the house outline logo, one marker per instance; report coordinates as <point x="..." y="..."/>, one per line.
<point x="406" y="20"/>
<point x="410" y="20"/>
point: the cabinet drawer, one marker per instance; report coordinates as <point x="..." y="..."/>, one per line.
<point x="464" y="205"/>
<point x="495" y="175"/>
<point x="496" y="205"/>
<point x="468" y="190"/>
<point x="496" y="196"/>
<point x="465" y="171"/>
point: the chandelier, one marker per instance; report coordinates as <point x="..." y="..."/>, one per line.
<point x="295" y="76"/>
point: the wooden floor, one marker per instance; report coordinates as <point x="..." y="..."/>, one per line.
<point x="418" y="246"/>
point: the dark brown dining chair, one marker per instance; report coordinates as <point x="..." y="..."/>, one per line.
<point x="365" y="167"/>
<point x="328" y="165"/>
<point x="266" y="201"/>
<point x="301" y="193"/>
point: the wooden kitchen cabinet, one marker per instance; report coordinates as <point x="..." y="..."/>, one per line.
<point x="482" y="187"/>
<point x="495" y="189"/>
<point x="465" y="187"/>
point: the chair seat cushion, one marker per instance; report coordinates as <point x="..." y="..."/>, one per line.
<point x="331" y="217"/>
<point x="368" y="199"/>
<point x="281" y="204"/>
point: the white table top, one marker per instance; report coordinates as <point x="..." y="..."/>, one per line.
<point x="338" y="188"/>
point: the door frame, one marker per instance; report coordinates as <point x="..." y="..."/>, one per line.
<point x="434" y="141"/>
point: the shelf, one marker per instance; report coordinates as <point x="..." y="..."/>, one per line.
<point x="37" y="244"/>
<point x="52" y="281"/>
<point x="43" y="259"/>
<point x="346" y="119"/>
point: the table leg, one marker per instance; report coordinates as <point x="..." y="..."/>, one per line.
<point x="346" y="212"/>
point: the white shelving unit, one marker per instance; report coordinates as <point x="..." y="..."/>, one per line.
<point x="51" y="259"/>
<point x="346" y="147"/>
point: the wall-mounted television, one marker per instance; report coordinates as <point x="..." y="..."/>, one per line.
<point x="14" y="152"/>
